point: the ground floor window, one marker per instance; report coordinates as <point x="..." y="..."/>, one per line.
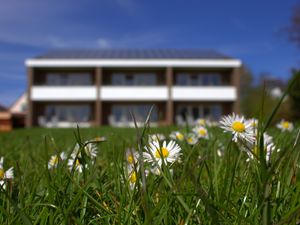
<point x="70" y="113"/>
<point x="211" y="111"/>
<point x="140" y="112"/>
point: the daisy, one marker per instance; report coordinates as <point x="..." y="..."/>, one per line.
<point x="176" y="135"/>
<point x="98" y="139"/>
<point x="131" y="177"/>
<point x="75" y="162"/>
<point x="285" y="125"/>
<point x="201" y="132"/>
<point x="53" y="162"/>
<point x="156" y="137"/>
<point x="269" y="147"/>
<point x="254" y="123"/>
<point x="90" y="150"/>
<point x="157" y="171"/>
<point x="239" y="127"/>
<point x="5" y="175"/>
<point x="200" y="122"/>
<point x="131" y="156"/>
<point x="191" y="139"/>
<point x="165" y="153"/>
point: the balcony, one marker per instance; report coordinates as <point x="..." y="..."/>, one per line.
<point x="133" y="93"/>
<point x="67" y="93"/>
<point x="192" y="93"/>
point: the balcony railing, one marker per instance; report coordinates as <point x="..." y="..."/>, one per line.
<point x="192" y="93"/>
<point x="42" y="93"/>
<point x="133" y="93"/>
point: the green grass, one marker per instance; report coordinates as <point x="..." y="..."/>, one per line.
<point x="204" y="188"/>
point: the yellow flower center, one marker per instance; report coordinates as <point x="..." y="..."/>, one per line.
<point x="132" y="178"/>
<point x="238" y="126"/>
<point x="201" y="122"/>
<point x="190" y="140"/>
<point x="1" y="174"/>
<point x="179" y="136"/>
<point x="130" y="159"/>
<point x="162" y="152"/>
<point x="54" y="160"/>
<point x="286" y="124"/>
<point x="202" y="132"/>
<point x="77" y="163"/>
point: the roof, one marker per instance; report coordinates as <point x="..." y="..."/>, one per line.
<point x="3" y="109"/>
<point x="132" y="54"/>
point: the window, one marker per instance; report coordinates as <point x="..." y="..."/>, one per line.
<point x="208" y="111"/>
<point x="68" y="79"/>
<point x="182" y="79"/>
<point x="70" y="113"/>
<point x="201" y="79"/>
<point x="134" y="79"/>
<point x="140" y="112"/>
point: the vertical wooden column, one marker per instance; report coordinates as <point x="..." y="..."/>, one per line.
<point x="29" y="113"/>
<point x="98" y="105"/>
<point x="236" y="80"/>
<point x="170" y="105"/>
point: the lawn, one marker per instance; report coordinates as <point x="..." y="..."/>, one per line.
<point x="216" y="180"/>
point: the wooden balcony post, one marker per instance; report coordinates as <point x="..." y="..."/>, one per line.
<point x="29" y="113"/>
<point x="98" y="105"/>
<point x="170" y="105"/>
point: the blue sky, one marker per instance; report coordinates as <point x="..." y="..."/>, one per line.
<point x="249" y="30"/>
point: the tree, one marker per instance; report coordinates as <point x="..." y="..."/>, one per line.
<point x="294" y="27"/>
<point x="294" y="94"/>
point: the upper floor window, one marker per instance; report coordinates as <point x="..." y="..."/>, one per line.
<point x="68" y="79"/>
<point x="201" y="79"/>
<point x="134" y="79"/>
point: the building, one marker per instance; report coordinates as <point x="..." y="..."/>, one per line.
<point x="5" y="119"/>
<point x="18" y="111"/>
<point x="99" y="87"/>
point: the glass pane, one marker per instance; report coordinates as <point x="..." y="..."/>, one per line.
<point x="195" y="112"/>
<point x="194" y="81"/>
<point x="69" y="113"/>
<point x="216" y="112"/>
<point x="118" y="79"/>
<point x="182" y="79"/>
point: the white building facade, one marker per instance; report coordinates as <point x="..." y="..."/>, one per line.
<point x="99" y="87"/>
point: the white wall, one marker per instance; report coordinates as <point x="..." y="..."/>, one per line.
<point x="141" y="93"/>
<point x="192" y="93"/>
<point x="63" y="93"/>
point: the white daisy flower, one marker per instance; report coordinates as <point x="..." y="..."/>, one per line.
<point x="285" y="125"/>
<point x="165" y="153"/>
<point x="269" y="148"/>
<point x="8" y="174"/>
<point x="53" y="162"/>
<point x="254" y="123"/>
<point x="176" y="135"/>
<point x="131" y="176"/>
<point x="220" y="149"/>
<point x="239" y="127"/>
<point x="191" y="139"/>
<point x="156" y="137"/>
<point x="78" y="165"/>
<point x="200" y="122"/>
<point x="132" y="156"/>
<point x="98" y="139"/>
<point x="90" y="150"/>
<point x="201" y="132"/>
<point x="157" y="171"/>
<point x="5" y="175"/>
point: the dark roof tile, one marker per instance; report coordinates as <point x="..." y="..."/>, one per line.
<point x="132" y="54"/>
